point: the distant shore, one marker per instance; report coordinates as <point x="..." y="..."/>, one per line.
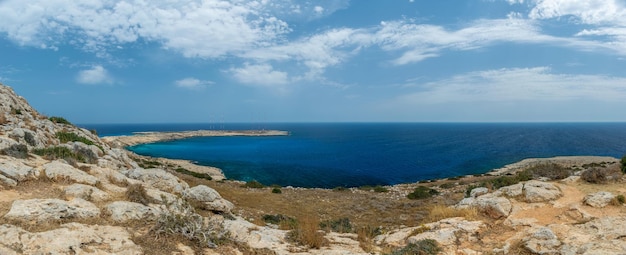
<point x="153" y="137"/>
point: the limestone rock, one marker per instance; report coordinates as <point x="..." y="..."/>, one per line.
<point x="75" y="239"/>
<point x="478" y="191"/>
<point x="60" y="170"/>
<point x="542" y="241"/>
<point x="537" y="191"/>
<point x="448" y="232"/>
<point x="255" y="236"/>
<point x="124" y="211"/>
<point x="494" y="206"/>
<point x="159" y="178"/>
<point x="42" y="210"/>
<point x="209" y="198"/>
<point x="86" y="192"/>
<point x="514" y="190"/>
<point x="599" y="199"/>
<point x="7" y="181"/>
<point x="17" y="171"/>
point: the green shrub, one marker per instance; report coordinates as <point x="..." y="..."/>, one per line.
<point x="254" y="184"/>
<point x="58" y="152"/>
<point x="447" y="185"/>
<point x="285" y="222"/>
<point x="16" y="151"/>
<point x="65" y="137"/>
<point x="276" y="191"/>
<point x="194" y="174"/>
<point x="422" y="192"/>
<point x="421" y="247"/>
<point x="30" y="138"/>
<point x="380" y="189"/>
<point x="623" y="164"/>
<point x="552" y="171"/>
<point x="342" y="225"/>
<point x="340" y="188"/>
<point x="59" y="120"/>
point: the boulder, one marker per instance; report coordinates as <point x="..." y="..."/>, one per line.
<point x="449" y="232"/>
<point x="59" y="170"/>
<point x="7" y="181"/>
<point x="542" y="241"/>
<point x="209" y="198"/>
<point x="42" y="210"/>
<point x="86" y="192"/>
<point x="17" y="171"/>
<point x="537" y="191"/>
<point x="599" y="199"/>
<point x="478" y="191"/>
<point x="158" y="178"/>
<point x="494" y="206"/>
<point x="71" y="238"/>
<point x="514" y="190"/>
<point x="124" y="211"/>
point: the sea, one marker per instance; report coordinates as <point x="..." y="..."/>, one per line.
<point x="329" y="155"/>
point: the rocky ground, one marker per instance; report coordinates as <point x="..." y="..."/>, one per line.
<point x="65" y="191"/>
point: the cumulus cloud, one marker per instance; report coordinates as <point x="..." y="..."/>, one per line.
<point x="96" y="75"/>
<point x="192" y="83"/>
<point x="262" y="75"/>
<point x="519" y="84"/>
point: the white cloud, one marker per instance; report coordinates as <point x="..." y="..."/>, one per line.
<point x="318" y="9"/>
<point x="519" y="84"/>
<point x="262" y="75"/>
<point x="587" y="11"/>
<point x="192" y="83"/>
<point x="96" y="75"/>
<point x="207" y="29"/>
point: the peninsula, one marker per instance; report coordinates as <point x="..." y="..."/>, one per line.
<point x="152" y="137"/>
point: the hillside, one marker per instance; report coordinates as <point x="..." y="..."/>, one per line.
<point x="65" y="191"/>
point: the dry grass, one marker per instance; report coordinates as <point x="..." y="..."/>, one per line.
<point x="365" y="236"/>
<point x="137" y="193"/>
<point x="308" y="233"/>
<point x="440" y="212"/>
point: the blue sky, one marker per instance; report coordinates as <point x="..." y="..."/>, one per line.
<point x="137" y="61"/>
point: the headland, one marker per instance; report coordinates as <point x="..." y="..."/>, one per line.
<point x="152" y="137"/>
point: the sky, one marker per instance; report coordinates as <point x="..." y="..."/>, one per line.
<point x="207" y="61"/>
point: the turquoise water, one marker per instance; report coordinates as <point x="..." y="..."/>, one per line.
<point x="348" y="154"/>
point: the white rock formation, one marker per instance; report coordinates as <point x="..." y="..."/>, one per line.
<point x="599" y="199"/>
<point x="60" y="170"/>
<point x="42" y="210"/>
<point x="158" y="178"/>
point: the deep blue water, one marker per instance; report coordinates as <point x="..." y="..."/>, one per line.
<point x="354" y="154"/>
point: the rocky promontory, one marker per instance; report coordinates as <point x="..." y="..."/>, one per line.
<point x="64" y="190"/>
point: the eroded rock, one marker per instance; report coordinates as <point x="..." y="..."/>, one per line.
<point x="159" y="178"/>
<point x="59" y="170"/>
<point x="41" y="210"/>
<point x="124" y="211"/>
<point x="599" y="199"/>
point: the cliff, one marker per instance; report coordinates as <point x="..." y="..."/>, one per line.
<point x="63" y="190"/>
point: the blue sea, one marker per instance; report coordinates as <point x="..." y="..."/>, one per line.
<point x="328" y="155"/>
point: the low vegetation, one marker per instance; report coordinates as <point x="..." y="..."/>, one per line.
<point x="307" y="233"/>
<point x="422" y="192"/>
<point x="16" y="151"/>
<point x="65" y="137"/>
<point x="377" y="188"/>
<point x="440" y="212"/>
<point x="342" y="225"/>
<point x="187" y="223"/>
<point x="421" y="247"/>
<point x="137" y="193"/>
<point x="194" y="174"/>
<point x="59" y="120"/>
<point x="282" y="221"/>
<point x="58" y="152"/>
<point x="623" y="164"/>
<point x="601" y="175"/>
<point x="254" y="185"/>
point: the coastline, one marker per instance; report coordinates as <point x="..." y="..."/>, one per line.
<point x="217" y="174"/>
